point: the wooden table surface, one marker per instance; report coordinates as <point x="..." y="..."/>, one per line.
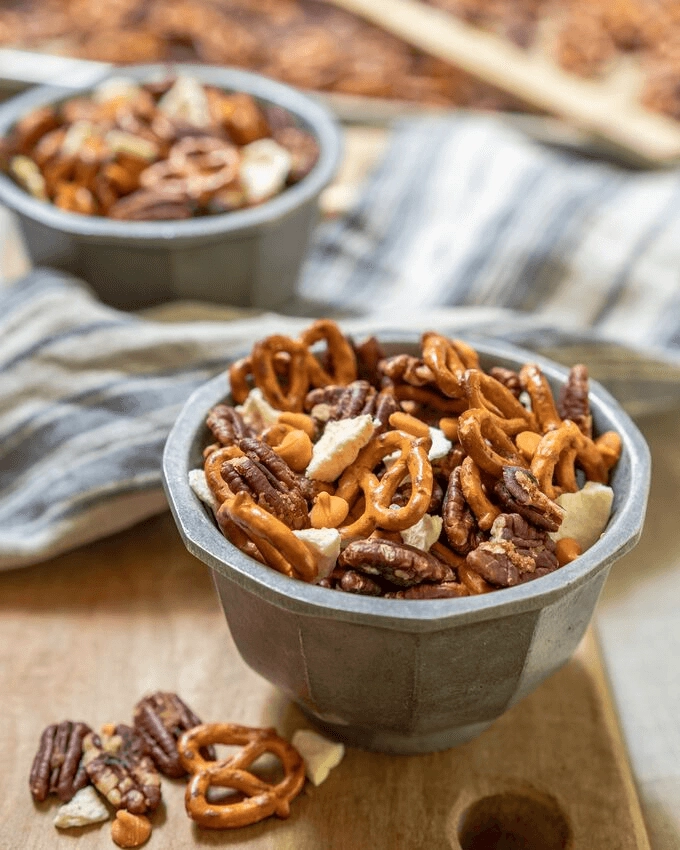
<point x="84" y="636"/>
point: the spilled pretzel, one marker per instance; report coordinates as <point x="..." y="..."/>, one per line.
<point x="260" y="799"/>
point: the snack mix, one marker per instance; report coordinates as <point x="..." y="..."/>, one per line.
<point x="405" y="477"/>
<point x="157" y="151"/>
<point x="313" y="45"/>
<point x="122" y="764"/>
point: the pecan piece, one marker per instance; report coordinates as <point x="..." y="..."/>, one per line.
<point x="444" y="590"/>
<point x="460" y="525"/>
<point x="354" y="582"/>
<point x="227" y="425"/>
<point x="519" y="492"/>
<point x="120" y="768"/>
<point x="57" y="767"/>
<point x="356" y="399"/>
<point x="385" y="405"/>
<point x="404" y="368"/>
<point x="398" y="563"/>
<point x="508" y="378"/>
<point x="159" y="721"/>
<point x="573" y="402"/>
<point x="516" y="552"/>
<point x="369" y="353"/>
<point x="269" y="480"/>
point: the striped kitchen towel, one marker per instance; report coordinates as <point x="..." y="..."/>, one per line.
<point x="460" y="212"/>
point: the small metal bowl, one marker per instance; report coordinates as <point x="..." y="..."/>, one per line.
<point x="407" y="676"/>
<point x="249" y="257"/>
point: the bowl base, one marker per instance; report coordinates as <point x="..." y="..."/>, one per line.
<point x="387" y="741"/>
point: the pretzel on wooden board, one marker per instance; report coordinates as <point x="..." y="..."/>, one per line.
<point x="261" y="799"/>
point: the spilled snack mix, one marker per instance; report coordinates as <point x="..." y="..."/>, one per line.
<point x="157" y="151"/>
<point x="120" y="767"/>
<point x="403" y="477"/>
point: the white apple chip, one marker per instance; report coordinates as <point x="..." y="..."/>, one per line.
<point x="318" y="753"/>
<point x="338" y="447"/>
<point x="586" y="514"/>
<point x="424" y="533"/>
<point x="84" y="808"/>
<point x="199" y="484"/>
<point x="325" y="544"/>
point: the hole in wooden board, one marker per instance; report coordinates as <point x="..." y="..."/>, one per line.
<point x="511" y="821"/>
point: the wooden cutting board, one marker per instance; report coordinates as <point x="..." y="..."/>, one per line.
<point x="84" y="636"/>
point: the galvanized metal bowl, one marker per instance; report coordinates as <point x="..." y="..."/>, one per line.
<point x="249" y="257"/>
<point x="406" y="676"/>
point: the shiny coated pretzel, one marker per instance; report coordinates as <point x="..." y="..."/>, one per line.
<point x="483" y="391"/>
<point x="280" y="548"/>
<point x="261" y="799"/>
<point x="481" y="435"/>
<point x="555" y="458"/>
<point x="266" y="362"/>
<point x="343" y="362"/>
<point x="213" y="471"/>
<point x="535" y="383"/>
<point x="448" y="359"/>
<point x="379" y="493"/>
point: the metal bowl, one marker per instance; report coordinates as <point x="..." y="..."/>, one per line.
<point x="249" y="257"/>
<point x="407" y="676"/>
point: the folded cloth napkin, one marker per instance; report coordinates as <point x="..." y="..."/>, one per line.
<point x="88" y="394"/>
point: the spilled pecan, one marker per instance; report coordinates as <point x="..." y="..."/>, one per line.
<point x="57" y="767"/>
<point x="159" y="720"/>
<point x="119" y="768"/>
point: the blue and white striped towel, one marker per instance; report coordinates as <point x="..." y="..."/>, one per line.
<point x="464" y="212"/>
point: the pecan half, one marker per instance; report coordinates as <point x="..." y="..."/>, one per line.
<point x="119" y="768"/>
<point x="57" y="767"/>
<point x="269" y="480"/>
<point x="369" y="353"/>
<point x="356" y="399"/>
<point x="354" y="582"/>
<point x="404" y="368"/>
<point x="508" y="378"/>
<point x="519" y="492"/>
<point x="573" y="402"/>
<point x="517" y="552"/>
<point x="444" y="590"/>
<point x="398" y="563"/>
<point x="460" y="525"/>
<point x="227" y="425"/>
<point x="159" y="720"/>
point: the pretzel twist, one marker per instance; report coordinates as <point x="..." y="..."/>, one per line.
<point x="262" y="799"/>
<point x="556" y="455"/>
<point x="280" y="547"/>
<point x="378" y="494"/>
<point x="535" y="383"/>
<point x="213" y="471"/>
<point x="486" y="442"/>
<point x="448" y="359"/>
<point x="471" y="485"/>
<point x="486" y="392"/>
<point x="267" y="376"/>
<point x="239" y="373"/>
<point x="341" y="354"/>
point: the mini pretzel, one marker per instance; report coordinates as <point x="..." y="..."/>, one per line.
<point x="213" y="471"/>
<point x="486" y="443"/>
<point x="267" y="378"/>
<point x="484" y="391"/>
<point x="428" y="398"/>
<point x="343" y="368"/>
<point x="281" y="548"/>
<point x="262" y="799"/>
<point x="471" y="485"/>
<point x="448" y="359"/>
<point x="556" y="455"/>
<point x="412" y="460"/>
<point x="542" y="402"/>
